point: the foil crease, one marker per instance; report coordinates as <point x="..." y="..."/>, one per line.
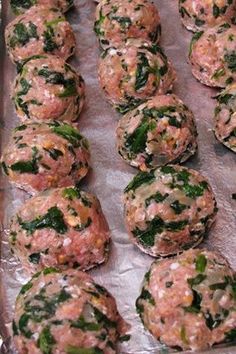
<point x="122" y="275"/>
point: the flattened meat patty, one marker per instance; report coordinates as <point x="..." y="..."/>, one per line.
<point x="168" y="209"/>
<point x="198" y="15"/>
<point x="225" y="117"/>
<point x="189" y="301"/>
<point x="134" y="72"/>
<point x="66" y="312"/>
<point x="41" y="156"/>
<point x="19" y="6"/>
<point x="117" y="20"/>
<point x="213" y="55"/>
<point x="47" y="88"/>
<point x="62" y="227"/>
<point x="40" y="30"/>
<point x="159" y="131"/>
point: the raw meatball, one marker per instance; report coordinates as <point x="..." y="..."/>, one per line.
<point x="19" y="6"/>
<point x="66" y="312"/>
<point x="213" y="55"/>
<point x="47" y="88"/>
<point x="40" y="30"/>
<point x="168" y="209"/>
<point x="61" y="227"/>
<point x="117" y="20"/>
<point x="225" y="117"/>
<point x="134" y="72"/>
<point x="189" y="301"/>
<point x="159" y="131"/>
<point x="201" y="14"/>
<point x="41" y="156"/>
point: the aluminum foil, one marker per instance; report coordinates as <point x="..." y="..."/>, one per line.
<point x="123" y="273"/>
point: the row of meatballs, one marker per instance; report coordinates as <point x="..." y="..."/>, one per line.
<point x="60" y="231"/>
<point x="167" y="209"/>
<point x="212" y="55"/>
<point x="188" y="302"/>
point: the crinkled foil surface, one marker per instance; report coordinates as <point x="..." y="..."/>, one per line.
<point x="123" y="273"/>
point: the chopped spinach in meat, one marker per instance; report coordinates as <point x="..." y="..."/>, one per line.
<point x="46" y="341"/>
<point x="131" y="104"/>
<point x="178" y="207"/>
<point x="139" y="179"/>
<point x="137" y="140"/>
<point x="230" y="59"/>
<point x="155" y="226"/>
<point x="52" y="219"/>
<point x="76" y="350"/>
<point x="195" y="306"/>
<point x="68" y="132"/>
<point x="49" y="40"/>
<point x="157" y="197"/>
<point x="25" y="4"/>
<point x="29" y="166"/>
<point x="34" y="258"/>
<point x="146" y="295"/>
<point x="197" y="280"/>
<point x="143" y="71"/>
<point x="57" y="78"/>
<point x="22" y="34"/>
<point x="195" y="38"/>
<point x="54" y="153"/>
<point x="125" y="22"/>
<point x="98" y="24"/>
<point x="201" y="263"/>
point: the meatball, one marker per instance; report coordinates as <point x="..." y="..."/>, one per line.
<point x="19" y="6"/>
<point x="189" y="301"/>
<point x="201" y="14"/>
<point x="117" y="20"/>
<point x="66" y="312"/>
<point x="168" y="209"/>
<point x="134" y="72"/>
<point x="159" y="131"/>
<point x="41" y="156"/>
<point x="62" y="227"/>
<point x="225" y="117"/>
<point x="213" y="55"/>
<point x="47" y="88"/>
<point x="40" y="30"/>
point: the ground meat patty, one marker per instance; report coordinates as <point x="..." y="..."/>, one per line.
<point x="40" y="30"/>
<point x="168" y="209"/>
<point x="225" y="117"/>
<point x="41" y="156"/>
<point x="117" y="20"/>
<point x="213" y="55"/>
<point x="47" y="88"/>
<point x="133" y="72"/>
<point x="66" y="312"/>
<point x="159" y="131"/>
<point x="62" y="227"/>
<point x="201" y="14"/>
<point x="189" y="301"/>
<point x="19" y="6"/>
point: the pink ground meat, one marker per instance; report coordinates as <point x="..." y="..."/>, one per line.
<point x="62" y="227"/>
<point x="188" y="301"/>
<point x="66" y="312"/>
<point x="41" y="156"/>
<point x="157" y="132"/>
<point x="47" y="88"/>
<point x="40" y="30"/>
<point x="168" y="209"/>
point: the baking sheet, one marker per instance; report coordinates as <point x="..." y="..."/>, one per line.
<point x="123" y="273"/>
